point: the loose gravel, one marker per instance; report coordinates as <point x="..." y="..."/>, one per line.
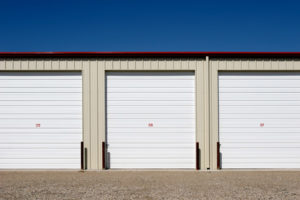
<point x="150" y="185"/>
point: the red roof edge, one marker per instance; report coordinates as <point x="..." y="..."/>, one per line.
<point x="149" y="54"/>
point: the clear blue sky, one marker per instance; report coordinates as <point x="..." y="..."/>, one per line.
<point x="149" y="25"/>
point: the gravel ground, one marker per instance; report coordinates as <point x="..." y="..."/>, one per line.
<point x="150" y="185"/>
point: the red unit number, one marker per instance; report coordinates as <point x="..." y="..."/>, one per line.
<point x="150" y="125"/>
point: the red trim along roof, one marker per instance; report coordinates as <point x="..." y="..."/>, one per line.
<point x="149" y="54"/>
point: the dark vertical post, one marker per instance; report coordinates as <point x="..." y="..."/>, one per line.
<point x="85" y="158"/>
<point x="197" y="156"/>
<point x="103" y="155"/>
<point x="218" y="156"/>
<point x="82" y="155"/>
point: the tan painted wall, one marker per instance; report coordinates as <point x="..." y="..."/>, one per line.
<point x="93" y="72"/>
<point x="251" y="64"/>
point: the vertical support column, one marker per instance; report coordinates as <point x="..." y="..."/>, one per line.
<point x="214" y="113"/>
<point x="86" y="111"/>
<point x="199" y="87"/>
<point x="202" y="110"/>
<point x="101" y="114"/>
<point x="94" y="115"/>
<point x="206" y="96"/>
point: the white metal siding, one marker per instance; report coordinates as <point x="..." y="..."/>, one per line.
<point x="259" y="120"/>
<point x="134" y="102"/>
<point x="50" y="99"/>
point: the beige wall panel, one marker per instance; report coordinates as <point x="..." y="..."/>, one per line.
<point x="32" y="64"/>
<point x="48" y="65"/>
<point x="274" y="65"/>
<point x="223" y="65"/>
<point x="24" y="64"/>
<point x="9" y="64"/>
<point x="94" y="113"/>
<point x="199" y="114"/>
<point x="78" y="64"/>
<point x="296" y="64"/>
<point x="86" y="109"/>
<point x="245" y="65"/>
<point x="101" y="110"/>
<point x="124" y="64"/>
<point x="229" y="64"/>
<point x="184" y="64"/>
<point x="282" y="64"/>
<point x="63" y="64"/>
<point x="55" y="65"/>
<point x="108" y="64"/>
<point x="131" y="64"/>
<point x="17" y="65"/>
<point x="202" y="111"/>
<point x="192" y="64"/>
<point x="236" y="63"/>
<point x="154" y="64"/>
<point x="2" y="64"/>
<point x="70" y="64"/>
<point x="139" y="64"/>
<point x="213" y="113"/>
<point x="150" y="64"/>
<point x="169" y="64"/>
<point x="147" y="64"/>
<point x="267" y="64"/>
<point x="206" y="115"/>
<point x="116" y="65"/>
<point x="289" y="64"/>
<point x="177" y="64"/>
<point x="260" y="64"/>
<point x="161" y="64"/>
<point x="40" y="64"/>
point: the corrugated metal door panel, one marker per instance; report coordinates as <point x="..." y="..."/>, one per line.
<point x="150" y="120"/>
<point x="259" y="117"/>
<point x="40" y="120"/>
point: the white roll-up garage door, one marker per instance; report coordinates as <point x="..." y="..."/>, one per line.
<point x="259" y="117"/>
<point x="40" y="120"/>
<point x="151" y="120"/>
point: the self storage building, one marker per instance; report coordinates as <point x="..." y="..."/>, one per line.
<point x="170" y="110"/>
